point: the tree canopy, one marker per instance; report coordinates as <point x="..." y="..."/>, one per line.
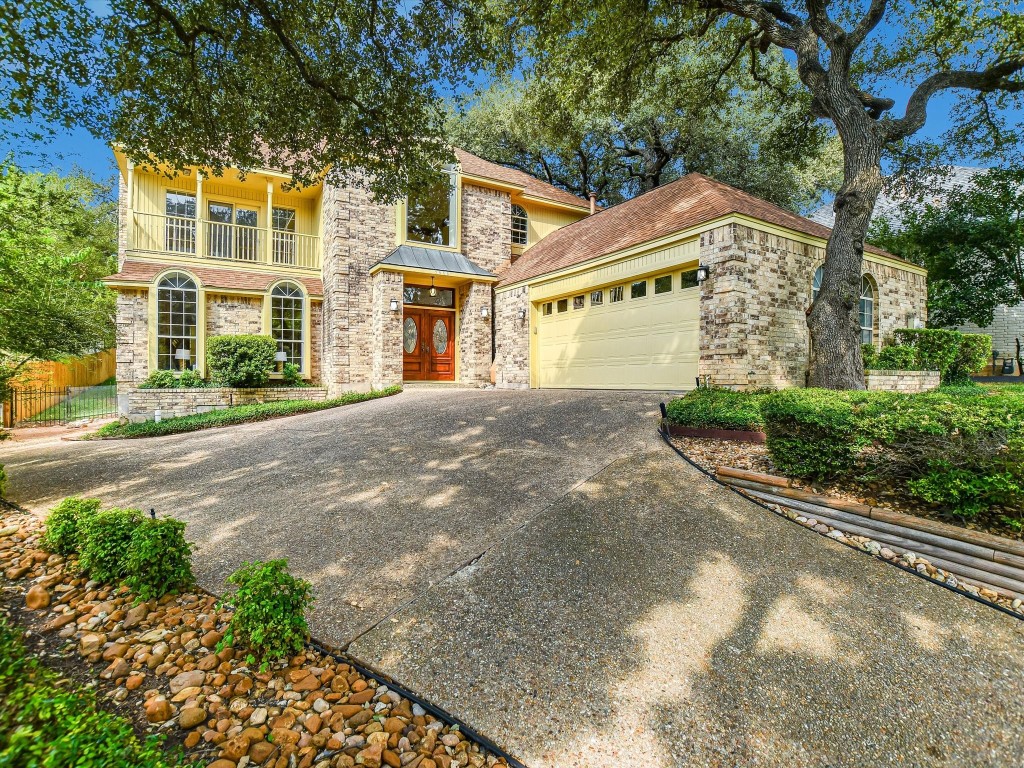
<point x="972" y="244"/>
<point x="58" y="237"/>
<point x="695" y="114"/>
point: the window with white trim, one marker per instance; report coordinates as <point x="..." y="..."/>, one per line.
<point x="596" y="298"/>
<point x="520" y="225"/>
<point x="615" y="294"/>
<point x="866" y="310"/>
<point x="176" y="320"/>
<point x="286" y="308"/>
<point x="816" y="283"/>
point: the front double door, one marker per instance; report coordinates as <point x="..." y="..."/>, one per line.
<point x="428" y="343"/>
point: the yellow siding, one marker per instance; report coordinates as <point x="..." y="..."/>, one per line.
<point x="543" y="221"/>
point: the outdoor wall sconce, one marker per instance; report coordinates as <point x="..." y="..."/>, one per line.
<point x="394" y="305"/>
<point x="703" y="273"/>
<point x="485" y="311"/>
<point x="521" y="314"/>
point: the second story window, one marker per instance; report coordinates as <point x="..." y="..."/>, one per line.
<point x="180" y="222"/>
<point x="283" y="221"/>
<point x="520" y="225"/>
<point x="431" y="213"/>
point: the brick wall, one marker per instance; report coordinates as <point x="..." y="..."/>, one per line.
<point x="753" y="308"/>
<point x="1007" y="326"/>
<point x="132" y="331"/>
<point x="486" y="227"/>
<point x="902" y="381"/>
<point x="233" y="314"/>
<point x="142" y="403"/>
<point x="512" y="339"/>
<point x="386" y="336"/>
<point x="474" y="334"/>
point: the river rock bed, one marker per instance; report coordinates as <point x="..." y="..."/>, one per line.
<point x="159" y="664"/>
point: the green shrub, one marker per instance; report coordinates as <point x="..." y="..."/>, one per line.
<point x="713" y="408"/>
<point x="104" y="543"/>
<point x="956" y="356"/>
<point x="45" y="723"/>
<point x="811" y="433"/>
<point x="159" y="559"/>
<point x="3" y="481"/>
<point x="974" y="353"/>
<point x="190" y="379"/>
<point x="290" y="374"/>
<point x="242" y="414"/>
<point x="269" y="610"/>
<point x="869" y="355"/>
<point x="897" y="357"/>
<point x="240" y="360"/>
<point x="160" y="380"/>
<point x="63" y="524"/>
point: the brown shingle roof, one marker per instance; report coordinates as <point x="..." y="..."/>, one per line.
<point x="684" y="203"/>
<point x="212" y="277"/>
<point x="477" y="166"/>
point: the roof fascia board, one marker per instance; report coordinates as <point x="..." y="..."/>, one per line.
<point x="382" y="267"/>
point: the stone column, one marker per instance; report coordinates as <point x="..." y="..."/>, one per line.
<point x="475" y="334"/>
<point x="386" y="341"/>
<point x="132" y="333"/>
<point x="512" y="339"/>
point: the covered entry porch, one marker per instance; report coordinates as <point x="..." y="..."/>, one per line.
<point x="433" y="312"/>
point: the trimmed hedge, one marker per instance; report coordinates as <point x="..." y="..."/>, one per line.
<point x="46" y="723"/>
<point x="714" y="408"/>
<point x="187" y="379"/>
<point x="955" y="355"/>
<point x="240" y="360"/>
<point x="810" y="433"/>
<point x="241" y="414"/>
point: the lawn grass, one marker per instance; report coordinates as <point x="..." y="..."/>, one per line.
<point x="241" y="414"/>
<point x="94" y="401"/>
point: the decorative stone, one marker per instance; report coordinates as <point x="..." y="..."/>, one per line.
<point x="37" y="597"/>
<point x="158" y="709"/>
<point x="190" y="717"/>
<point x="187" y="680"/>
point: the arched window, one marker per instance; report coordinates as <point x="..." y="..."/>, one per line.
<point x="816" y="282"/>
<point x="867" y="310"/>
<point x="176" y="312"/>
<point x="519" y="225"/>
<point x="286" y="309"/>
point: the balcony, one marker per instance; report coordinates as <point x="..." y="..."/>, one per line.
<point x="223" y="242"/>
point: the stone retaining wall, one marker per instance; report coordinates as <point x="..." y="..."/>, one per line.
<point x="902" y="381"/>
<point x="142" y="403"/>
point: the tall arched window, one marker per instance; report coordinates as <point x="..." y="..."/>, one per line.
<point x="176" y="311"/>
<point x="286" y="307"/>
<point x="816" y="282"/>
<point x="519" y="225"/>
<point x="867" y="310"/>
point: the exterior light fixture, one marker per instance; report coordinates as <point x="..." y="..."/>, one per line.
<point x="521" y="314"/>
<point x="485" y="311"/>
<point x="394" y="305"/>
<point x="433" y="290"/>
<point x="703" y="273"/>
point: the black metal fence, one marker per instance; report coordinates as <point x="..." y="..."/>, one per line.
<point x="45" y="407"/>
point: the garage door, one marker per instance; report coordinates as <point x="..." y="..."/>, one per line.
<point x="642" y="334"/>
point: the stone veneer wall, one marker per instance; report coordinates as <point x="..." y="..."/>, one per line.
<point x="1007" y="326"/>
<point x="486" y="236"/>
<point x="316" y="338"/>
<point x="753" y="307"/>
<point x="902" y="381"/>
<point x="387" y="354"/>
<point x="512" y="339"/>
<point x="132" y="333"/>
<point x="474" y="333"/>
<point x="227" y="314"/>
<point x="142" y="403"/>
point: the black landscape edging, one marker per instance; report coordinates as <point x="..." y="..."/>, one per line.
<point x="739" y="435"/>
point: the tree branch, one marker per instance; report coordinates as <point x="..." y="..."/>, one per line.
<point x="867" y="23"/>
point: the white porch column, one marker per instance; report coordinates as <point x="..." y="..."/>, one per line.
<point x="270" y="222"/>
<point x="200" y="218"/>
<point x="130" y="213"/>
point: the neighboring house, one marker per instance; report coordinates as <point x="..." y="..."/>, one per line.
<point x="1008" y="324"/>
<point x="491" y="268"/>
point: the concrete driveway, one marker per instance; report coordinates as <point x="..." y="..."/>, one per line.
<point x="541" y="565"/>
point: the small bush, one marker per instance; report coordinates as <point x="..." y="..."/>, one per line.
<point x="811" y="433"/>
<point x="974" y="353"/>
<point x="160" y="380"/>
<point x="105" y="541"/>
<point x="290" y="374"/>
<point x="869" y="355"/>
<point x="897" y="357"/>
<point x="159" y="559"/>
<point x="956" y="356"/>
<point x="269" y="610"/>
<point x="713" y="408"/>
<point x="45" y="723"/>
<point x="190" y="379"/>
<point x="64" y="522"/>
<point x="240" y="360"/>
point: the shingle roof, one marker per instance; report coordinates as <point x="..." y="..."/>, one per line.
<point x="419" y="257"/>
<point x="687" y="202"/>
<point x="890" y="206"/>
<point x="133" y="271"/>
<point x="477" y="166"/>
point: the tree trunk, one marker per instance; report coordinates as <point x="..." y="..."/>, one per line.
<point x="836" y="360"/>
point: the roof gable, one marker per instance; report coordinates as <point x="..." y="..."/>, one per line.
<point x="531" y="185"/>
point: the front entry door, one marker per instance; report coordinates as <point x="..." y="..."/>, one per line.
<point x="428" y="343"/>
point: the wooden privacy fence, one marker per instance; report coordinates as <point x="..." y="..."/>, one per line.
<point x="80" y="372"/>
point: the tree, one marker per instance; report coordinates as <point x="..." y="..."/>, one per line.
<point x="972" y="245"/>
<point x="938" y="46"/>
<point x="727" y="125"/>
<point x="58" y="237"/>
<point x="336" y="88"/>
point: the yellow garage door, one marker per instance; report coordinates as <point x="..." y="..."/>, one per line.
<point x="642" y="334"/>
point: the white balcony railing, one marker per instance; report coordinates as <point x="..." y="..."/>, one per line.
<point x="221" y="241"/>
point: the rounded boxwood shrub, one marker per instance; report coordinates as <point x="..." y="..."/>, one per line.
<point x="64" y="522"/>
<point x="105" y="541"/>
<point x="240" y="360"/>
<point x="159" y="559"/>
<point x="269" y="610"/>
